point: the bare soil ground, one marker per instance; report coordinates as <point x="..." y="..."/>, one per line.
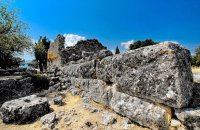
<point x="73" y="116"/>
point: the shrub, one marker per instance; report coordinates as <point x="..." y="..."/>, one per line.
<point x="52" y="56"/>
<point x="40" y="82"/>
<point x="138" y="44"/>
<point x="7" y="59"/>
<point x="196" y="57"/>
<point x="41" y="50"/>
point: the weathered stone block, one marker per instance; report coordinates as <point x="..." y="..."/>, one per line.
<point x="196" y="96"/>
<point x="24" y="110"/>
<point x="160" y="73"/>
<point x="82" y="70"/>
<point x="140" y="111"/>
<point x="98" y="90"/>
<point x="49" y="120"/>
<point x="104" y="53"/>
<point x="83" y="84"/>
<point x="108" y="118"/>
<point x="189" y="117"/>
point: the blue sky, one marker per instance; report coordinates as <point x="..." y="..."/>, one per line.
<point x="114" y="21"/>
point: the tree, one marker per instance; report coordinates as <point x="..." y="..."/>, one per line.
<point x="139" y="44"/>
<point x="117" y="50"/>
<point x="12" y="38"/>
<point x="41" y="51"/>
<point x="7" y="60"/>
<point x="196" y="57"/>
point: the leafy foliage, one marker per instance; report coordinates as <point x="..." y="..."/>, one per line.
<point x="139" y="44"/>
<point x="12" y="38"/>
<point x="41" y="50"/>
<point x="196" y="57"/>
<point x="7" y="60"/>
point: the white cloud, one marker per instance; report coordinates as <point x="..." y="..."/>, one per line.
<point x="127" y="44"/>
<point x="72" y="39"/>
<point x="113" y="51"/>
<point x="51" y="40"/>
<point x="33" y="41"/>
<point x="175" y="42"/>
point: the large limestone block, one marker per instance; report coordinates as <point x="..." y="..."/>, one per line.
<point x="189" y="117"/>
<point x="104" y="53"/>
<point x="83" y="84"/>
<point x="82" y="70"/>
<point x="161" y="73"/>
<point x="196" y="96"/>
<point x="140" y="111"/>
<point x="24" y="110"/>
<point x="98" y="90"/>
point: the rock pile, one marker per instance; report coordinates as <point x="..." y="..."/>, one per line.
<point x="83" y="49"/>
<point x="146" y="85"/>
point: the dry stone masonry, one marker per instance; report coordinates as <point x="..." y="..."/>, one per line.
<point x="12" y="87"/>
<point x="159" y="73"/>
<point x="146" y="85"/>
<point x="84" y="48"/>
<point x="152" y="86"/>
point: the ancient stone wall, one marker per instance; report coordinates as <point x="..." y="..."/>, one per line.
<point x="13" y="87"/>
<point x="85" y="49"/>
<point x="147" y="85"/>
<point x="54" y="58"/>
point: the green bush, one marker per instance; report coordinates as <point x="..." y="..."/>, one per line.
<point x="196" y="57"/>
<point x="7" y="60"/>
<point x="41" y="52"/>
<point x="12" y="38"/>
<point x="40" y="82"/>
<point x="138" y="44"/>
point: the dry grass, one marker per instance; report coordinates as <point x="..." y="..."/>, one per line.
<point x="52" y="56"/>
<point x="78" y="121"/>
<point x="196" y="70"/>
